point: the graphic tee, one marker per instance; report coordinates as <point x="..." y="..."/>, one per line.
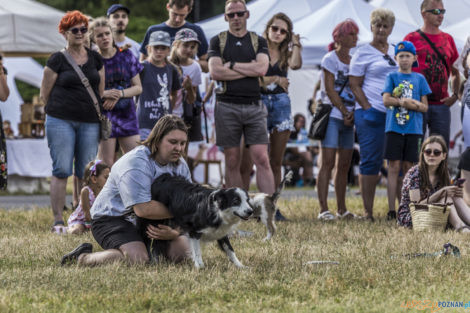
<point x="157" y="84"/>
<point x="412" y="86"/>
<point x="340" y="70"/>
<point x="431" y="66"/>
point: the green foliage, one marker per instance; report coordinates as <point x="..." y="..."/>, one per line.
<point x="26" y="90"/>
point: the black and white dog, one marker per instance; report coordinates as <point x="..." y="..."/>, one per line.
<point x="205" y="214"/>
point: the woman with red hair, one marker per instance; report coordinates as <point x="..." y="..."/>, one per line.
<point x="72" y="123"/>
<point x="337" y="146"/>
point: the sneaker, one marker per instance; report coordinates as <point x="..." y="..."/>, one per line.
<point x="279" y="217"/>
<point x="75" y="253"/>
<point x="391" y="216"/>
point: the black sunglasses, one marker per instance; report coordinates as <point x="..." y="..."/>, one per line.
<point x="436" y="152"/>
<point x="436" y="11"/>
<point x="76" y="30"/>
<point x="239" y="14"/>
<point x="277" y="28"/>
<point x="390" y="60"/>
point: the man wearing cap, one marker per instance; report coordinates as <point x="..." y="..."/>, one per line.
<point x="178" y="10"/>
<point x="118" y="16"/>
<point x="436" y="53"/>
<point x="239" y="111"/>
<point x="160" y="83"/>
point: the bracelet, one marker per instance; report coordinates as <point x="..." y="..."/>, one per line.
<point x="297" y="45"/>
<point x="122" y="91"/>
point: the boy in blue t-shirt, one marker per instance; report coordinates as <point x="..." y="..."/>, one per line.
<point x="405" y="97"/>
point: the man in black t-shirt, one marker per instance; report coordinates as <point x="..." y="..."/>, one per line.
<point x="237" y="59"/>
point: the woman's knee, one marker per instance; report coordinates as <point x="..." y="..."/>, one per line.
<point x="179" y="249"/>
<point x="135" y="252"/>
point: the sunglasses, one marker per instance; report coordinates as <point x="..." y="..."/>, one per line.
<point x="390" y="60"/>
<point x="77" y="30"/>
<point x="239" y="14"/>
<point x="436" y="11"/>
<point x="436" y="152"/>
<point x="277" y="29"/>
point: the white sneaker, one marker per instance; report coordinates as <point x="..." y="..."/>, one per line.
<point x="326" y="216"/>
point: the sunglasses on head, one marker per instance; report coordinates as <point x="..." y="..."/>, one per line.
<point x="390" y="60"/>
<point x="436" y="152"/>
<point x="239" y="14"/>
<point x="436" y="11"/>
<point x="76" y="30"/>
<point x="277" y="29"/>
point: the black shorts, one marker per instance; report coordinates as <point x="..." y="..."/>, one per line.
<point x="464" y="163"/>
<point x="402" y="147"/>
<point x="111" y="232"/>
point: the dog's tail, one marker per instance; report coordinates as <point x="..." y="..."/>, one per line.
<point x="277" y="193"/>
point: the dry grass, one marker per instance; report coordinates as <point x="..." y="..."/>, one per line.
<point x="366" y="280"/>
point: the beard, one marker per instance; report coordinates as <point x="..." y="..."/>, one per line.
<point x="121" y="31"/>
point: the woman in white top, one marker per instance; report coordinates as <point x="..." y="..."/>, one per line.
<point x="339" y="137"/>
<point x="369" y="67"/>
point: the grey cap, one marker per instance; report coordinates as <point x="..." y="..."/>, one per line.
<point x="159" y="38"/>
<point x="186" y="34"/>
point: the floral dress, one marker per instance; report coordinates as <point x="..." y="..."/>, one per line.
<point x="411" y="181"/>
<point x="3" y="153"/>
<point x="78" y="216"/>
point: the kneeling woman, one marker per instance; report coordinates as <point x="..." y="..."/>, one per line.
<point x="430" y="178"/>
<point x="127" y="191"/>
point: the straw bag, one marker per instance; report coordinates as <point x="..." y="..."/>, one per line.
<point x="429" y="216"/>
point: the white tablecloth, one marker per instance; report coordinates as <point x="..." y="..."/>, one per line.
<point x="29" y="157"/>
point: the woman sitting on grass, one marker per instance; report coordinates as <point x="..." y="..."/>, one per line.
<point x="430" y="178"/>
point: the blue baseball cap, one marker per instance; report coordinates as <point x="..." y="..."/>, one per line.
<point x="116" y="7"/>
<point x="407" y="46"/>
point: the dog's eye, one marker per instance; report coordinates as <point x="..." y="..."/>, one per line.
<point x="236" y="201"/>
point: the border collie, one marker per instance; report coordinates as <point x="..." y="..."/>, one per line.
<point x="264" y="206"/>
<point x="205" y="214"/>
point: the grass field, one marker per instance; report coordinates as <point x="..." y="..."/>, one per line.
<point x="278" y="280"/>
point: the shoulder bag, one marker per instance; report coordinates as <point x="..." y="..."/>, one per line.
<point x="431" y="44"/>
<point x="320" y="118"/>
<point x="105" y="123"/>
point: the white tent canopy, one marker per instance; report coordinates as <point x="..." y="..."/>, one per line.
<point x="260" y="13"/>
<point x="410" y="10"/>
<point x="26" y="70"/>
<point x="29" y="28"/>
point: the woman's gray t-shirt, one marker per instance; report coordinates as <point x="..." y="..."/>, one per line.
<point x="130" y="182"/>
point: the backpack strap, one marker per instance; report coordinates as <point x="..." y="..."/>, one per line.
<point x="254" y="41"/>
<point x="222" y="43"/>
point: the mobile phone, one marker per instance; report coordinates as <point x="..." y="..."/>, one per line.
<point x="459" y="182"/>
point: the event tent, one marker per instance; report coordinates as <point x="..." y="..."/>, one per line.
<point x="409" y="10"/>
<point x="29" y="28"/>
<point x="261" y="11"/>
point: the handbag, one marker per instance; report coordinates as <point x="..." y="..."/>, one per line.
<point x="105" y="123"/>
<point x="429" y="216"/>
<point x="321" y="117"/>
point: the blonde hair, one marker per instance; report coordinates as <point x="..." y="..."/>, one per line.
<point x="382" y="15"/>
<point x="235" y="1"/>
<point x="99" y="22"/>
<point x="425" y="4"/>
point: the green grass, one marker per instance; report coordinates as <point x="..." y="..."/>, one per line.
<point x="366" y="280"/>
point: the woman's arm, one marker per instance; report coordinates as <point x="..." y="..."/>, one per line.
<point x="102" y="81"/>
<point x="4" y="90"/>
<point x="355" y="82"/>
<point x="295" y="60"/>
<point x="134" y="90"/>
<point x="85" y="203"/>
<point x="332" y="93"/>
<point x="152" y="210"/>
<point x="48" y="80"/>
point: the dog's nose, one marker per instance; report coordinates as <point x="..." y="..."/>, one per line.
<point x="248" y="212"/>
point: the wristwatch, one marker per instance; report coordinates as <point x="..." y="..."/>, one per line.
<point x="232" y="64"/>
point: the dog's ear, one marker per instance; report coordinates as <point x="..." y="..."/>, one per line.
<point x="221" y="198"/>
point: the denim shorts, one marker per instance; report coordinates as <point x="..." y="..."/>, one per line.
<point x="279" y="112"/>
<point x="338" y="135"/>
<point x="71" y="144"/>
<point x="370" y="129"/>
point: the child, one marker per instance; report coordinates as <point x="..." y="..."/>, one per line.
<point x="160" y="83"/>
<point x="96" y="174"/>
<point x="405" y="96"/>
<point x="182" y="56"/>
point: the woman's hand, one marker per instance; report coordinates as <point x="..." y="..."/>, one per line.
<point x="348" y="119"/>
<point x="109" y="104"/>
<point x="162" y="232"/>
<point x="283" y="82"/>
<point x="296" y="39"/>
<point x="452" y="191"/>
<point x="113" y="94"/>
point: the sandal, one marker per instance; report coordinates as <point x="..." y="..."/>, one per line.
<point x="326" y="216"/>
<point x="346" y="215"/>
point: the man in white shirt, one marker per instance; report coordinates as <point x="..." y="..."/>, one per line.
<point x="118" y="16"/>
